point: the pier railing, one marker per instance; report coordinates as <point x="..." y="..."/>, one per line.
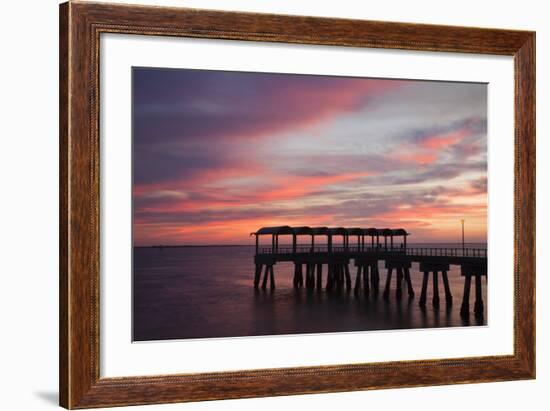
<point x="354" y="249"/>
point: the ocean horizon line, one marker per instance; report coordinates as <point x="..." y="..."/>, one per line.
<point x="290" y="244"/>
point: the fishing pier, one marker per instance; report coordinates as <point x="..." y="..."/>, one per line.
<point x="335" y="248"/>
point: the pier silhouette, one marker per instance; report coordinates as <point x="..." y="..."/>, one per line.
<point x="367" y="247"/>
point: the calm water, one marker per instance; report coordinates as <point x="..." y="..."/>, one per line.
<point x="199" y="292"/>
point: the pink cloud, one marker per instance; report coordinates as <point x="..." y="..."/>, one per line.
<point x="441" y="141"/>
<point x="420" y="158"/>
<point x="427" y="150"/>
<point x="276" y="188"/>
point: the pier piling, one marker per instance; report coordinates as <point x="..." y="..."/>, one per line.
<point x="448" y="295"/>
<point x="358" y="279"/>
<point x="310" y="276"/>
<point x="388" y="283"/>
<point x="401" y="267"/>
<point x="366" y="286"/>
<point x="300" y="276"/>
<point x="435" y="268"/>
<point x="477" y="271"/>
<point x="410" y="289"/>
<point x="375" y="276"/>
<point x="478" y="305"/>
<point x="348" y="276"/>
<point x="330" y="273"/>
<point x="264" y="283"/>
<point x="435" y="298"/>
<point x="257" y="275"/>
<point x="271" y="277"/>
<point x="422" y="301"/>
<point x="465" y="307"/>
<point x="399" y="283"/>
<point x="367" y="275"/>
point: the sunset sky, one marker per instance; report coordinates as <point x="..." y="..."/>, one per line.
<point x="218" y="155"/>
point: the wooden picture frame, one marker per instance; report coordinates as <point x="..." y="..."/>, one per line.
<point x="80" y="27"/>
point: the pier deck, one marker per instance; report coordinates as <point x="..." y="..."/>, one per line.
<point x="454" y="256"/>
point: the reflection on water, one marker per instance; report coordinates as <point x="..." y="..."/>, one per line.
<point x="200" y="292"/>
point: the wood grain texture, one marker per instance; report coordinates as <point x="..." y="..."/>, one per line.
<point x="80" y="27"/>
<point x="525" y="215"/>
<point x="63" y="205"/>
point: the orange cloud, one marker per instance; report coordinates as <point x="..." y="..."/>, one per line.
<point x="440" y="141"/>
<point x="295" y="187"/>
<point x="421" y="158"/>
<point x="214" y="232"/>
<point x="426" y="151"/>
<point x="277" y="189"/>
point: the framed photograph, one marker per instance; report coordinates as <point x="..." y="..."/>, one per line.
<point x="259" y="205"/>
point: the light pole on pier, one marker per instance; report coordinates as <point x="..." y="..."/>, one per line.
<point x="462" y="221"/>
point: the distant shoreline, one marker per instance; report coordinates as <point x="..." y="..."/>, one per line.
<point x="192" y="245"/>
<point x="282" y="245"/>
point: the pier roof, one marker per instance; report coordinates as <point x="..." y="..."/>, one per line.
<point x="386" y="232"/>
<point x="338" y="231"/>
<point x="399" y="231"/>
<point x="284" y="229"/>
<point x="302" y="230"/>
<point x="305" y="230"/>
